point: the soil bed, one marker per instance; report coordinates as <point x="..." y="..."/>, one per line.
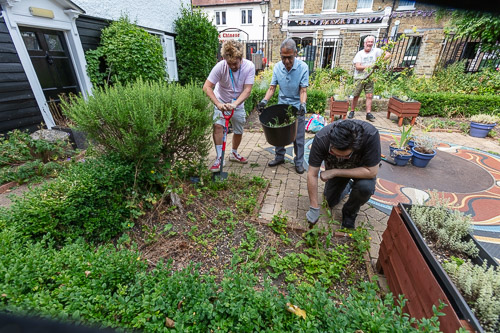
<point x="220" y="229"/>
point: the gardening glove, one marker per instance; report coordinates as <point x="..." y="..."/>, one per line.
<point x="261" y="105"/>
<point x="302" y="109"/>
<point x="312" y="215"/>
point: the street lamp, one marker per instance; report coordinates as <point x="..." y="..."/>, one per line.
<point x="263" y="7"/>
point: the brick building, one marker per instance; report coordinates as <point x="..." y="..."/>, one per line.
<point x="330" y="32"/>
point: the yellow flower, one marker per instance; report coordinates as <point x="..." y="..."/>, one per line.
<point x="152" y="171"/>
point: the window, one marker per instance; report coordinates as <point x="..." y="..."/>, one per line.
<point x="329" y="5"/>
<point x="365" y="5"/>
<point x="296" y="6"/>
<point x="220" y="18"/>
<point x="246" y="16"/>
<point x="406" y="5"/>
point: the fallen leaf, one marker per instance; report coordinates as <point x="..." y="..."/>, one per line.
<point x="169" y="323"/>
<point x="295" y="309"/>
<point x="179" y="304"/>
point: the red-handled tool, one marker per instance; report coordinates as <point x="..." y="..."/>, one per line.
<point x="221" y="175"/>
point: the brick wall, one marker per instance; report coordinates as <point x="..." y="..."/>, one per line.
<point x="350" y="45"/>
<point x="429" y="52"/>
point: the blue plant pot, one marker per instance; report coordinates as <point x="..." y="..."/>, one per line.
<point x="421" y="160"/>
<point x="411" y="144"/>
<point x="401" y="160"/>
<point x="480" y="130"/>
<point x="391" y="151"/>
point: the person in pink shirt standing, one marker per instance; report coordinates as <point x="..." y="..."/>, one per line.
<point x="228" y="86"/>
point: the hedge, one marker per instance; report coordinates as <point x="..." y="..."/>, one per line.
<point x="448" y="104"/>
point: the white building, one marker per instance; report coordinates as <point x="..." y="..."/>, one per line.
<point x="241" y="20"/>
<point x="43" y="44"/>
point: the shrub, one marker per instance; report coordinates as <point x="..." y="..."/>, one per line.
<point x="448" y="104"/>
<point x="128" y="52"/>
<point x="480" y="286"/>
<point x="447" y="228"/>
<point x="196" y="45"/>
<point x="146" y="122"/>
<point x="86" y="200"/>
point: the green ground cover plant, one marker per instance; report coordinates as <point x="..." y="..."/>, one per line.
<point x="88" y="199"/>
<point x="126" y="52"/>
<point x="131" y="284"/>
<point x="24" y="159"/>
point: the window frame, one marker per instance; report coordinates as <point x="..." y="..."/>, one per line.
<point x="334" y="9"/>
<point x="220" y="12"/>
<point x="297" y="11"/>
<point x="407" y="7"/>
<point x="247" y="11"/>
<point x="368" y="9"/>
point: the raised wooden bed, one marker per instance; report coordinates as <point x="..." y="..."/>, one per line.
<point x="403" y="110"/>
<point x="411" y="269"/>
<point x="338" y="108"/>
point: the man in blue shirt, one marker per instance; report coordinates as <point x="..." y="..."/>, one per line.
<point x="292" y="75"/>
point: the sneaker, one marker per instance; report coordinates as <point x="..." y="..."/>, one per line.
<point x="370" y="117"/>
<point x="216" y="166"/>
<point x="235" y="157"/>
<point x="351" y="115"/>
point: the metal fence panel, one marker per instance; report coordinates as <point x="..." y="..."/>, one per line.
<point x="469" y="50"/>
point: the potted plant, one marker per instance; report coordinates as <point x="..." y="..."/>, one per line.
<point x="482" y="124"/>
<point x="413" y="269"/>
<point x="399" y="148"/>
<point x="423" y="151"/>
<point x="403" y="107"/>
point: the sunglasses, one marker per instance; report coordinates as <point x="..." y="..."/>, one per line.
<point x="340" y="157"/>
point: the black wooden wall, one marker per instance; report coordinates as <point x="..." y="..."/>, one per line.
<point x="18" y="107"/>
<point x="89" y="29"/>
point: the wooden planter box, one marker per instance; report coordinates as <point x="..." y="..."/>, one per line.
<point x="411" y="269"/>
<point x="403" y="110"/>
<point x="338" y="108"/>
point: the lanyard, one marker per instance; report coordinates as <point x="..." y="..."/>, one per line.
<point x="232" y="80"/>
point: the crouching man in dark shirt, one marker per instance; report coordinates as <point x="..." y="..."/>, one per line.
<point x="351" y="152"/>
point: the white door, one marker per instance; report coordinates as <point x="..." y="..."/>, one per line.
<point x="169" y="56"/>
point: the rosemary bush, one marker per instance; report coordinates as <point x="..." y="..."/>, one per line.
<point x="446" y="227"/>
<point x="480" y="286"/>
<point x="146" y="122"/>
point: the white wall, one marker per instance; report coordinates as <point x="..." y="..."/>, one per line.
<point x="157" y="14"/>
<point x="233" y="19"/>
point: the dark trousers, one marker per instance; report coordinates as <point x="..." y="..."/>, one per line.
<point x="361" y="191"/>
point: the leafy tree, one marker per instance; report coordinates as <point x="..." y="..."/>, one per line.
<point x="126" y="53"/>
<point x="196" y="45"/>
<point x="480" y="25"/>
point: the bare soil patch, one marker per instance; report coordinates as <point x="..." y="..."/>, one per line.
<point x="220" y="230"/>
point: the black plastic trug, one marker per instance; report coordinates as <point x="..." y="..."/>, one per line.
<point x="278" y="136"/>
